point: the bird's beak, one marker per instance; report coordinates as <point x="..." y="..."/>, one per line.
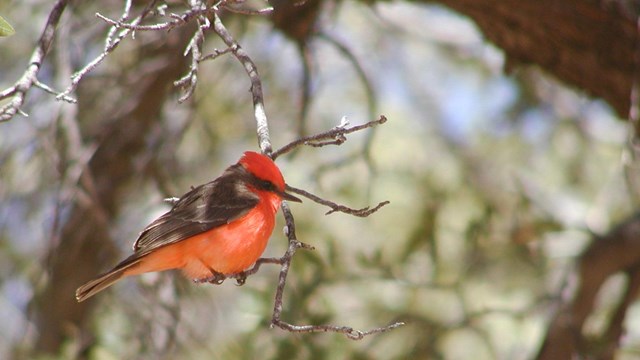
<point x="287" y="196"/>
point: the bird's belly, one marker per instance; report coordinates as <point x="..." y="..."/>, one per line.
<point x="228" y="249"/>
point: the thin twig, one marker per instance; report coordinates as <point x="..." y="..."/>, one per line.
<point x="245" y="11"/>
<point x="335" y="136"/>
<point x="350" y="332"/>
<point x="110" y="45"/>
<point x="199" y="12"/>
<point x="262" y="124"/>
<point x="215" y="54"/>
<point x="364" y="212"/>
<point x="195" y="48"/>
<point x="177" y="20"/>
<point x="29" y="77"/>
<point x="119" y="24"/>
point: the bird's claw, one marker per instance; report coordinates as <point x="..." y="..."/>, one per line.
<point x="241" y="278"/>
<point x="216" y="278"/>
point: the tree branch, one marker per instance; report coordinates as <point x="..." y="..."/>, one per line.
<point x="364" y="212"/>
<point x="195" y="48"/>
<point x="262" y="124"/>
<point x="111" y="44"/>
<point x="30" y="77"/>
<point x="335" y="136"/>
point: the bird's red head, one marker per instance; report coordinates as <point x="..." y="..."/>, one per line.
<point x="262" y="167"/>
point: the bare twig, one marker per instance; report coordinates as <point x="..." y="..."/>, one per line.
<point x="46" y="88"/>
<point x="246" y="11"/>
<point x="177" y="20"/>
<point x="335" y="136"/>
<point x="215" y="54"/>
<point x="350" y="332"/>
<point x="190" y="80"/>
<point x="364" y="212"/>
<point x="125" y="15"/>
<point x="199" y="12"/>
<point x="122" y="28"/>
<point x="256" y="84"/>
<point x="111" y="44"/>
<point x="19" y="90"/>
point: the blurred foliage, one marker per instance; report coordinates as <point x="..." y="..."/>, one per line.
<point x="496" y="184"/>
<point x="5" y="28"/>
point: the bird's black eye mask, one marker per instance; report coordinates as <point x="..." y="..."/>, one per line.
<point x="265" y="185"/>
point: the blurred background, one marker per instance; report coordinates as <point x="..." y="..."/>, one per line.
<point x="499" y="179"/>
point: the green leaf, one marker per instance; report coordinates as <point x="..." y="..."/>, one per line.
<point x="5" y="28"/>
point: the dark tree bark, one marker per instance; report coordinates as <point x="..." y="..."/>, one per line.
<point x="296" y="20"/>
<point x="590" y="45"/>
<point x="85" y="246"/>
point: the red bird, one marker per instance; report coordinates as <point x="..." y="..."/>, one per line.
<point x="221" y="227"/>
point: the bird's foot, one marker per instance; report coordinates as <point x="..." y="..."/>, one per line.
<point x="216" y="278"/>
<point x="241" y="278"/>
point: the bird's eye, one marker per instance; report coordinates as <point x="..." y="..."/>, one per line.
<point x="265" y="185"/>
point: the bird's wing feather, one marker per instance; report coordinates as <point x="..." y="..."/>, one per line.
<point x="203" y="208"/>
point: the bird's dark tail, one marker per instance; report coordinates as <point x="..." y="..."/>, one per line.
<point x="104" y="281"/>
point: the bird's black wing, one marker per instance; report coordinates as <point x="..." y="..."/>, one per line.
<point x="203" y="208"/>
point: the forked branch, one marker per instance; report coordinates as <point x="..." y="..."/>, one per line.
<point x="335" y="136"/>
<point x="364" y="212"/>
<point x="18" y="92"/>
